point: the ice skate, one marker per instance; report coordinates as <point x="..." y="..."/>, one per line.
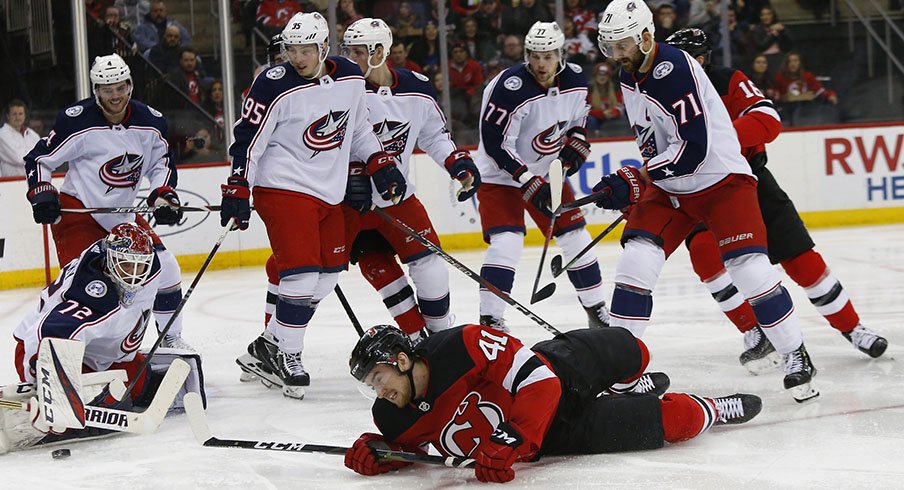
<point x="759" y="355"/>
<point x="597" y="315"/>
<point x="799" y="373"/>
<point x="494" y="322"/>
<point x="867" y="341"/>
<point x="737" y="408"/>
<point x="291" y="372"/>
<point x="176" y="342"/>
<point x="654" y="383"/>
<point x="259" y="363"/>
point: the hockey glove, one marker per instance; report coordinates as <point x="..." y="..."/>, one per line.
<point x="388" y="180"/>
<point x="461" y="167"/>
<point x="576" y="150"/>
<point x="362" y="458"/>
<point x="168" y="208"/>
<point x="496" y="455"/>
<point x="39" y="422"/>
<point x="45" y="203"/>
<point x="358" y="191"/>
<point x="235" y="204"/>
<point x="536" y="192"/>
<point x="622" y="187"/>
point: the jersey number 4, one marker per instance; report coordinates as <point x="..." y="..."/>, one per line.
<point x="681" y="105"/>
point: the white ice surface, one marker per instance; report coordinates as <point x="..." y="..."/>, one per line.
<point x="852" y="436"/>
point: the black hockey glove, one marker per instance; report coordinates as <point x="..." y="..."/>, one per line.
<point x="45" y="203"/>
<point x="358" y="191"/>
<point x="461" y="167"/>
<point x="536" y="192"/>
<point x="622" y="187"/>
<point x="168" y="207"/>
<point x="576" y="150"/>
<point x="235" y="202"/>
<point x="388" y="180"/>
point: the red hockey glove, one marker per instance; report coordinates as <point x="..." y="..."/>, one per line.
<point x="576" y="150"/>
<point x="45" y="203"/>
<point x="496" y="455"/>
<point x="388" y="180"/>
<point x="235" y="202"/>
<point x="363" y="460"/>
<point x="168" y="207"/>
<point x="536" y="192"/>
<point x="624" y="187"/>
<point x="461" y="167"/>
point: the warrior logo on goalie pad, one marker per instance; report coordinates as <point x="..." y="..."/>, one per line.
<point x="473" y="418"/>
<point x="327" y="132"/>
<point x="121" y="172"/>
<point x="549" y="140"/>
<point x="393" y="135"/>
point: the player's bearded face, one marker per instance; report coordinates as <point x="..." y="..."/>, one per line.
<point x="389" y="384"/>
<point x="626" y="53"/>
<point x="543" y="64"/>
<point x="114" y="97"/>
<point x="305" y="58"/>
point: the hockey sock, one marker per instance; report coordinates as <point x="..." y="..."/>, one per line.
<point x="430" y="275"/>
<point x="707" y="262"/>
<point x="823" y="289"/>
<point x="686" y="416"/>
<point x="631" y="308"/>
<point x="498" y="269"/>
<point x="383" y="273"/>
<point x="169" y="296"/>
<point x="585" y="274"/>
<point x="272" y="289"/>
<point x="294" y="310"/>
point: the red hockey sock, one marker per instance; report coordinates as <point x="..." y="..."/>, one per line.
<point x="742" y="317"/>
<point x="809" y="270"/>
<point x="686" y="416"/>
<point x="382" y="271"/>
<point x="272" y="285"/>
<point x="644" y="362"/>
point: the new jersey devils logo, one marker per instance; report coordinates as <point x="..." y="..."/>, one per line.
<point x="133" y="341"/>
<point x="549" y="140"/>
<point x="474" y="419"/>
<point x="326" y="133"/>
<point x="121" y="172"/>
<point x="393" y="135"/>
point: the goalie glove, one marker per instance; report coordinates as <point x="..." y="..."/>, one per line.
<point x="496" y="455"/>
<point x="45" y="203"/>
<point x="461" y="167"/>
<point x="388" y="180"/>
<point x="576" y="150"/>
<point x="168" y="207"/>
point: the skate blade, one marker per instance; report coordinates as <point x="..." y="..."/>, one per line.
<point x="296" y="392"/>
<point x="247" y="377"/>
<point x="804" y="392"/>
<point x="762" y="366"/>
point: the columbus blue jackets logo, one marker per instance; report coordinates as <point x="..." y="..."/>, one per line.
<point x="473" y="420"/>
<point x="327" y="132"/>
<point x="393" y="135"/>
<point x="549" y="140"/>
<point x="646" y="141"/>
<point x="133" y="341"/>
<point x="121" y="172"/>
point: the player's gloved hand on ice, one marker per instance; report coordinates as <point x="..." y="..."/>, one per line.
<point x="576" y="150"/>
<point x="622" y="187"/>
<point x="358" y="191"/>
<point x="536" y="192"/>
<point x="496" y="455"/>
<point x="235" y="202"/>
<point x="168" y="207"/>
<point x="45" y="203"/>
<point x="39" y="422"/>
<point x="362" y="458"/>
<point x="461" y="167"/>
<point x="388" y="180"/>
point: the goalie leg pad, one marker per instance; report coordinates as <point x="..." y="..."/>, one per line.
<point x="194" y="383"/>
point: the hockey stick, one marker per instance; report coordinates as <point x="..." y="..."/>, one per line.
<point x="150" y="354"/>
<point x="135" y="209"/>
<point x="348" y="310"/>
<point x="144" y="422"/>
<point x="555" y="189"/>
<point x="464" y="269"/>
<point x="556" y="263"/>
<point x="199" y="427"/>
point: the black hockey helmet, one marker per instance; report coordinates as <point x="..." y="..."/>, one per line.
<point x="694" y="41"/>
<point x="274" y="49"/>
<point x="379" y="345"/>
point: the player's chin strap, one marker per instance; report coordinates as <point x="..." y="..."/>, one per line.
<point x="417" y="401"/>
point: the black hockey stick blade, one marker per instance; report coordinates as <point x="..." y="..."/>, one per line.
<point x="556" y="262"/>
<point x="543" y="293"/>
<point x="556" y="265"/>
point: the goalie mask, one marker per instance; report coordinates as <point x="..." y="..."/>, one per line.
<point x="370" y="33"/>
<point x="308" y="28"/>
<point x="129" y="257"/>
<point x="542" y="37"/>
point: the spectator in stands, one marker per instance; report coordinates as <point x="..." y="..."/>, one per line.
<point x="795" y="84"/>
<point x="346" y="13"/>
<point x="489" y="20"/>
<point x="749" y="10"/>
<point x="517" y="20"/>
<point x="398" y="58"/>
<point x="148" y="34"/>
<point x="16" y="139"/>
<point x="739" y="37"/>
<point x="188" y="78"/>
<point x="666" y="22"/>
<point x="465" y="74"/>
<point x="272" y="15"/>
<point x="762" y="78"/>
<point x="425" y="50"/>
<point x="201" y="148"/>
<point x="584" y="19"/>
<point x="512" y="51"/>
<point x="493" y="68"/>
<point x="408" y="26"/>
<point x="96" y="8"/>
<point x="701" y="13"/>
<point x="578" y="47"/>
<point x="605" y="99"/>
<point x="770" y="37"/>
<point x="213" y="103"/>
<point x="111" y="36"/>
<point x="133" y="11"/>
<point x="165" y="56"/>
<point x="479" y="47"/>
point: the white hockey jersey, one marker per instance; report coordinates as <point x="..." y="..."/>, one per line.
<point x="406" y="114"/>
<point x="681" y="125"/>
<point x="106" y="162"/>
<point x="83" y="304"/>
<point x="298" y="134"/>
<point x="523" y="125"/>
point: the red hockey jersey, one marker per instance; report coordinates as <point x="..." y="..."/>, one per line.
<point x="752" y="114"/>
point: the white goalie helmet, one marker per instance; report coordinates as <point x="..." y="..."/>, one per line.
<point x="624" y="19"/>
<point x="371" y="33"/>
<point x="308" y="28"/>
<point x="545" y="36"/>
